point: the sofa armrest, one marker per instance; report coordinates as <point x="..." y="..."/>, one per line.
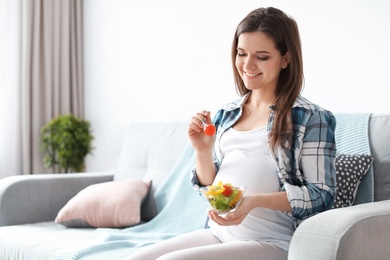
<point x="38" y="198"/>
<point x="356" y="232"/>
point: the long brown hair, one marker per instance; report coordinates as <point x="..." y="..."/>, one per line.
<point x="284" y="32"/>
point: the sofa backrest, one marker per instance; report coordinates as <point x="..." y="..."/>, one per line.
<point x="149" y="152"/>
<point x="151" y="149"/>
<point x="379" y="133"/>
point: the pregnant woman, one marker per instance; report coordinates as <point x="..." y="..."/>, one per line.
<point x="271" y="140"/>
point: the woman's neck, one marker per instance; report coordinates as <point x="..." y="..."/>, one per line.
<point x="260" y="99"/>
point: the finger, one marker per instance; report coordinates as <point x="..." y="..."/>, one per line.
<point x="205" y="117"/>
<point x="217" y="218"/>
<point x="213" y="215"/>
<point x="216" y="221"/>
<point x="230" y="216"/>
<point x="202" y="116"/>
<point x="199" y="119"/>
<point x="205" y="112"/>
<point x="194" y="127"/>
<point x="196" y="122"/>
<point x="191" y="131"/>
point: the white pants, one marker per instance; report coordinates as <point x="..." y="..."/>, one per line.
<point x="202" y="244"/>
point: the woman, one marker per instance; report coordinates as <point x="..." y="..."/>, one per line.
<point x="272" y="140"/>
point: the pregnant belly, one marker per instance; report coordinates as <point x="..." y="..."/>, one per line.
<point x="256" y="171"/>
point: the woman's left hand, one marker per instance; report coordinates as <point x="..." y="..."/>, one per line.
<point x="233" y="218"/>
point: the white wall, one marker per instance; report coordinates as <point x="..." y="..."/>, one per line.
<point x="154" y="60"/>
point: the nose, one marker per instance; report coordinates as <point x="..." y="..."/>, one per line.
<point x="249" y="63"/>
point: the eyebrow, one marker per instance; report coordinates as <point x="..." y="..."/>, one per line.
<point x="267" y="52"/>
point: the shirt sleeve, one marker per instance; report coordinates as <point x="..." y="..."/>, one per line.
<point x="317" y="167"/>
<point x="194" y="180"/>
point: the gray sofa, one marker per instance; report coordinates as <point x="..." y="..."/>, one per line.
<point x="29" y="204"/>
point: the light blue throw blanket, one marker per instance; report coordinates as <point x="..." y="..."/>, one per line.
<point x="182" y="210"/>
<point x="352" y="137"/>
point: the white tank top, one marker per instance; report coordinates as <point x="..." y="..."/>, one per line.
<point x="246" y="162"/>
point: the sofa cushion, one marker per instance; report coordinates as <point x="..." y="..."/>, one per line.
<point x="149" y="151"/>
<point x="41" y="240"/>
<point x="108" y="204"/>
<point x="380" y="148"/>
<point x="350" y="169"/>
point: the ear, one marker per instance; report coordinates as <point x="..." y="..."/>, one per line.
<point x="286" y="60"/>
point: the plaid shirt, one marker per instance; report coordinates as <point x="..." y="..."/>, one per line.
<point x="306" y="166"/>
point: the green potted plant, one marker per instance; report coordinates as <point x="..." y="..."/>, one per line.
<point x="66" y="141"/>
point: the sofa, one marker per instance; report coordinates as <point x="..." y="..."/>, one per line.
<point x="30" y="204"/>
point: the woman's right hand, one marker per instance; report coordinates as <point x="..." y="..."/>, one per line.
<point x="199" y="140"/>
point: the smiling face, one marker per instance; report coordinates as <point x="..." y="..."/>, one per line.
<point x="258" y="61"/>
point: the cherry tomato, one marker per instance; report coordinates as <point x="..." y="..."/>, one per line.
<point x="209" y="130"/>
<point x="228" y="191"/>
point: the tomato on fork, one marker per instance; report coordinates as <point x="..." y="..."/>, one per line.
<point x="209" y="130"/>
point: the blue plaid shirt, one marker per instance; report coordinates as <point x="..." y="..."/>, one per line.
<point x="306" y="166"/>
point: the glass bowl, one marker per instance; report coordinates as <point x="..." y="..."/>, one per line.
<point x="223" y="201"/>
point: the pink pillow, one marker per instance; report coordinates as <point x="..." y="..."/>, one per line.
<point x="108" y="204"/>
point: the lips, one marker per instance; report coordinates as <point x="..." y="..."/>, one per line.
<point x="251" y="74"/>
